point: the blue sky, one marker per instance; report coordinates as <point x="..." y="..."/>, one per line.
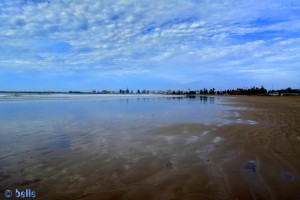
<point x="90" y="44"/>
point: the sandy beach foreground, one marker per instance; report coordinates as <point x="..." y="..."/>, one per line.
<point x="267" y="163"/>
<point x="253" y="155"/>
<point x="230" y="161"/>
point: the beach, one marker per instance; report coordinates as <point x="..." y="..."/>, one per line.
<point x="241" y="147"/>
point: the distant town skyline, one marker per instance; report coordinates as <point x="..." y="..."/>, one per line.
<point x="86" y="45"/>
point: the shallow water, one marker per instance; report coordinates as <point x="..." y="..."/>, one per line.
<point x="56" y="121"/>
<point x="81" y="142"/>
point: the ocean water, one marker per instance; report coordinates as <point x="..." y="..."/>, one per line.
<point x="62" y="139"/>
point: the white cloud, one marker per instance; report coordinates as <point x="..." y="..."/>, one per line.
<point x="143" y="36"/>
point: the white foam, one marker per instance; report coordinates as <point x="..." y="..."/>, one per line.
<point x="191" y="139"/>
<point x="217" y="139"/>
<point x="251" y="122"/>
<point x="204" y="133"/>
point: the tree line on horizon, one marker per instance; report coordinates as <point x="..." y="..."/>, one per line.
<point x="246" y="91"/>
<point x="239" y="91"/>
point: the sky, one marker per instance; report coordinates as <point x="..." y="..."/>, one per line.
<point x="88" y="45"/>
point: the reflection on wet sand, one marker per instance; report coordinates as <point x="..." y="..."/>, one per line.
<point x="151" y="148"/>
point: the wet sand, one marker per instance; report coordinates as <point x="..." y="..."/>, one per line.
<point x="255" y="155"/>
<point x="268" y="160"/>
